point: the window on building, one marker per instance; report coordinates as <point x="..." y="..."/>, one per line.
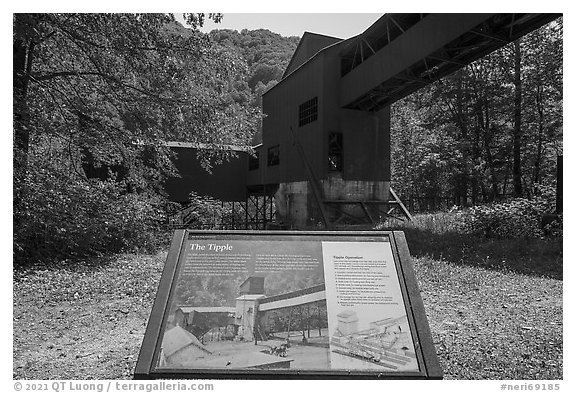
<point x="335" y="152"/>
<point x="308" y="112"/>
<point x="254" y="161"/>
<point x="274" y="155"/>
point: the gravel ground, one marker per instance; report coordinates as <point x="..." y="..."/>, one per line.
<point x="489" y="324"/>
<point x="87" y="320"/>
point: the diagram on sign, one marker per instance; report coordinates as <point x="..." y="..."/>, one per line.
<point x="366" y="314"/>
<point x="387" y="342"/>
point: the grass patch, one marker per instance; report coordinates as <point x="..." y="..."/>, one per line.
<point x="432" y="235"/>
<point x="541" y="257"/>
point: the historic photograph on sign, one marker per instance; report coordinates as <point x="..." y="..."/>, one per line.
<point x="248" y="304"/>
<point x="266" y="304"/>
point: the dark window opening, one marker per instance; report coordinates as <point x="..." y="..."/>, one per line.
<point x="335" y="152"/>
<point x="254" y="161"/>
<point x="308" y="112"/>
<point x="274" y="155"/>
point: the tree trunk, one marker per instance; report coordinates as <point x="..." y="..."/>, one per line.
<point x="539" y="106"/>
<point x="476" y="158"/>
<point x="308" y="319"/>
<point x="517" y="134"/>
<point x="289" y="322"/>
<point x="22" y="65"/>
<point x="489" y="156"/>
<point x="319" y="321"/>
<point x="462" y="121"/>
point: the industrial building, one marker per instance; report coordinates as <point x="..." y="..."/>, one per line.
<point x="325" y="153"/>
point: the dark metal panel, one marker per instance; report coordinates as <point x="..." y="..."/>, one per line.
<point x="256" y="176"/>
<point x="423" y="39"/>
<point x="366" y="145"/>
<point x="145" y="358"/>
<point x="433" y="368"/>
<point x="280" y="126"/>
<point x="380" y="34"/>
<point x="227" y="182"/>
<point x="309" y="45"/>
<point x="366" y="134"/>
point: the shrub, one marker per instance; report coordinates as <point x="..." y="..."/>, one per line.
<point x="515" y="218"/>
<point x="62" y="216"/>
<point x="204" y="212"/>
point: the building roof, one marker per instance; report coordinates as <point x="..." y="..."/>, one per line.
<point x="309" y="45"/>
<point x="177" y="338"/>
<point x="347" y="316"/>
<point x="189" y="309"/>
<point x="250" y="297"/>
<point x="242" y="359"/>
<point x="297" y="65"/>
<point x="346" y="313"/>
<point x="253" y="285"/>
<point x="205" y="146"/>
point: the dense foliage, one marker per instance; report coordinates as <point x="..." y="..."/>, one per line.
<point x="466" y="137"/>
<point x="267" y="55"/>
<point x="96" y="96"/>
<point x="102" y="93"/>
<point x="515" y="218"/>
<point x="64" y="218"/>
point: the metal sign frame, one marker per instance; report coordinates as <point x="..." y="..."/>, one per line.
<point x="429" y="367"/>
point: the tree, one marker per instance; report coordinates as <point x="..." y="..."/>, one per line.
<point x="517" y="135"/>
<point x="115" y="83"/>
<point x="501" y="116"/>
<point x="112" y="89"/>
<point x="542" y="70"/>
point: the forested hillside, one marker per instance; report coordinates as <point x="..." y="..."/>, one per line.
<point x="267" y="55"/>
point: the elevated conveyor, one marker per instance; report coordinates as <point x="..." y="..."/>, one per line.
<point x="400" y="53"/>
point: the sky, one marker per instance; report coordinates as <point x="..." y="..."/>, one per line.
<point x="340" y="25"/>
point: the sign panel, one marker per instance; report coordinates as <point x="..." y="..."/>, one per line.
<point x="366" y="310"/>
<point x="294" y="304"/>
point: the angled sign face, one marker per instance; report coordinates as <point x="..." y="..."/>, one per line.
<point x="264" y="304"/>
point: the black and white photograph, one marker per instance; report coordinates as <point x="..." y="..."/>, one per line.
<point x="311" y="194"/>
<point x="248" y="304"/>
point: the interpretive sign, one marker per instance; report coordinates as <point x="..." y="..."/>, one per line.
<point x="288" y="304"/>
